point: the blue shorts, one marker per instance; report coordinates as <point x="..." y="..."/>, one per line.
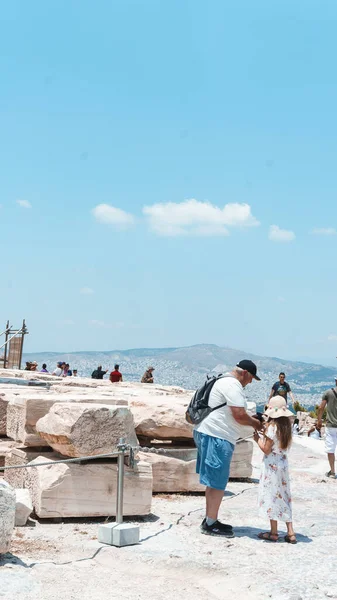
<point x="213" y="460"/>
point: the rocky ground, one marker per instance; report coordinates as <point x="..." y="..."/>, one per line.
<point x="175" y="562"/>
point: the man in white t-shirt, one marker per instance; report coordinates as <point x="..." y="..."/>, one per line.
<point x="216" y="436"/>
<point x="59" y="369"/>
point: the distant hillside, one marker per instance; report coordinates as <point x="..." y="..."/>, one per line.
<point x="188" y="366"/>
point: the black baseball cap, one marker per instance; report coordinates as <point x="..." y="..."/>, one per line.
<point x="248" y="365"/>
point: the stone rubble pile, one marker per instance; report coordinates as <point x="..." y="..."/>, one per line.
<point x="76" y="417"/>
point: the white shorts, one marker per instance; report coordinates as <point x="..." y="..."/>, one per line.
<point x="330" y="439"/>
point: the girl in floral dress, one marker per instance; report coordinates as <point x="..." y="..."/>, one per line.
<point x="274" y="489"/>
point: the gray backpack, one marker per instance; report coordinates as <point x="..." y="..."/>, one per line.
<point x="198" y="409"/>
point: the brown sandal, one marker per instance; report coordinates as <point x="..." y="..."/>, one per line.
<point x="290" y="539"/>
<point x="268" y="536"/>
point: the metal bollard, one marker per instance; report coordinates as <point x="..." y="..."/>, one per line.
<point x="120" y="481"/>
<point x="119" y="533"/>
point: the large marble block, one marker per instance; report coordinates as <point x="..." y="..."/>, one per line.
<point x="75" y="429"/>
<point x="88" y="490"/>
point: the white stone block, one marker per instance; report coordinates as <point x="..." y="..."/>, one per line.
<point x="88" y="490"/>
<point x="7" y="515"/>
<point x="23" y="507"/>
<point x="76" y="429"/>
<point x="114" y="534"/>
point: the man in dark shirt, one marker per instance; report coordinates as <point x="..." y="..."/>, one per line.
<point x="116" y="376"/>
<point x="98" y="373"/>
<point x="329" y="401"/>
<point x="281" y="388"/>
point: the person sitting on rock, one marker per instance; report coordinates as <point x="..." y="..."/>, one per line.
<point x="33" y="366"/>
<point x="44" y="368"/>
<point x="148" y="375"/>
<point x="116" y="375"/>
<point x="98" y="373"/>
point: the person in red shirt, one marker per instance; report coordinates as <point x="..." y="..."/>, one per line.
<point x="116" y="376"/>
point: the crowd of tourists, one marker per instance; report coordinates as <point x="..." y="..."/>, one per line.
<point x="116" y="376"/>
<point x="63" y="370"/>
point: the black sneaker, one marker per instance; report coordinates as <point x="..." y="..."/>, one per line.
<point x="217" y="529"/>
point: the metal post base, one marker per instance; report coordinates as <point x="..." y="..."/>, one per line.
<point x="118" y="534"/>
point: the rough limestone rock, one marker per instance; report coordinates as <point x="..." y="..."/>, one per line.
<point x="17" y="478"/>
<point x="7" y="515"/>
<point x="23" y="507"/>
<point x="89" y="490"/>
<point x="6" y="447"/>
<point x="161" y="417"/>
<point x="26" y="408"/>
<point x="86" y="429"/>
<point x="174" y="469"/>
<point x="4" y="399"/>
<point x="172" y="473"/>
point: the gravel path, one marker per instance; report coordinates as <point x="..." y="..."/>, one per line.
<point x="175" y="562"/>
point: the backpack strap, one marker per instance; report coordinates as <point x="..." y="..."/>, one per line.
<point x="333" y="390"/>
<point x="221" y="405"/>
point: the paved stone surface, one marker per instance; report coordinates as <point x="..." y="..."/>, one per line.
<point x="175" y="562"/>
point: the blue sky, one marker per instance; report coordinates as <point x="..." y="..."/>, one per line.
<point x="169" y="174"/>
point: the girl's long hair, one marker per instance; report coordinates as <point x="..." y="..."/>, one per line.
<point x="283" y="431"/>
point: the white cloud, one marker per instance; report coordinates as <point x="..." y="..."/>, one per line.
<point x="324" y="231"/>
<point x="24" y="203"/>
<point x="280" y="235"/>
<point x="332" y="337"/>
<point x="86" y="291"/>
<point x="110" y="215"/>
<point x="67" y="322"/>
<point x="281" y="299"/>
<point x="192" y="217"/>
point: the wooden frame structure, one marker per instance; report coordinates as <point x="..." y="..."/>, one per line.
<point x="12" y="346"/>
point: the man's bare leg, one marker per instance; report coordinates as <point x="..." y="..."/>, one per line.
<point x="213" y="501"/>
<point x="331" y="459"/>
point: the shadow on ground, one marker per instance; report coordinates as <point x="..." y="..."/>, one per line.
<point x="252" y="532"/>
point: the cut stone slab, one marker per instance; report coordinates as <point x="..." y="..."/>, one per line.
<point x="114" y="534"/>
<point x="172" y="475"/>
<point x="4" y="399"/>
<point x="174" y="470"/>
<point x="88" y="490"/>
<point x="7" y="515"/>
<point x="26" y="409"/>
<point x="162" y="417"/>
<point x="6" y="446"/>
<point x="23" y="507"/>
<point x="86" y="429"/>
<point x="17" y="478"/>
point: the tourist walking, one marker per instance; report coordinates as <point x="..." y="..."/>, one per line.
<point x="98" y="373"/>
<point x="329" y="401"/>
<point x="274" y="498"/>
<point x="116" y="375"/>
<point x="281" y="388"/>
<point x="148" y="375"/>
<point x="216" y="436"/>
